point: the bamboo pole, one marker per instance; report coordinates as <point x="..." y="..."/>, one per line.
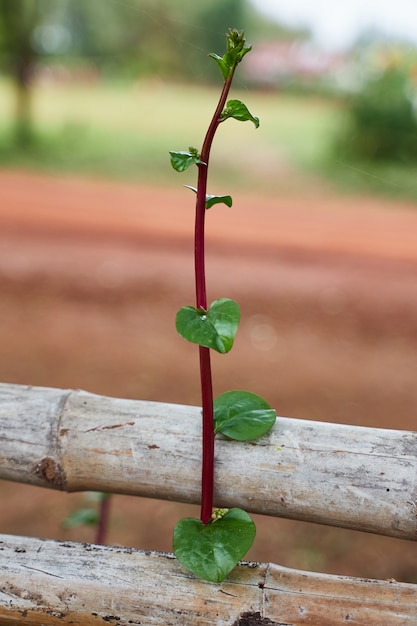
<point x="347" y="476"/>
<point x="47" y="583"/>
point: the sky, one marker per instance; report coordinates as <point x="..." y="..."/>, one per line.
<point x="336" y="25"/>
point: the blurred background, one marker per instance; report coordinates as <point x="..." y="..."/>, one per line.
<point x="319" y="248"/>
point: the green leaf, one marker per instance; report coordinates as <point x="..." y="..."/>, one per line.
<point x="235" y="47"/>
<point x="235" y="51"/>
<point x="223" y="65"/>
<point x="242" y="415"/>
<point x="81" y="517"/>
<point x="212" y="550"/>
<point x="212" y="200"/>
<point x="243" y="52"/>
<point x="232" y="58"/>
<point x="239" y="111"/>
<point x="235" y="41"/>
<point x="182" y="160"/>
<point x="215" y="328"/>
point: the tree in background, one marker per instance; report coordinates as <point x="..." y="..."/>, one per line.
<point x="382" y="119"/>
<point x="35" y="32"/>
<point x="17" y="22"/>
<point x="174" y="37"/>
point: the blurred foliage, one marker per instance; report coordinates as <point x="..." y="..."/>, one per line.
<point x="134" y="38"/>
<point x="167" y="39"/>
<point x="381" y="116"/>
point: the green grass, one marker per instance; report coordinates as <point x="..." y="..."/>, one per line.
<point x="126" y="131"/>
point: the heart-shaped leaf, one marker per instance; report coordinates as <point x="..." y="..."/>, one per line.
<point x="215" y="328"/>
<point x="212" y="550"/>
<point x="242" y="415"/>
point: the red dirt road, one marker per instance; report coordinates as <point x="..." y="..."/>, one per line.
<point x="322" y="224"/>
<point x="92" y="273"/>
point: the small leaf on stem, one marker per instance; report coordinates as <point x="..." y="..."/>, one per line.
<point x="239" y="111"/>
<point x="212" y="200"/>
<point x="212" y="550"/>
<point x="182" y="160"/>
<point x="86" y="515"/>
<point x="224" y="67"/>
<point x="215" y="328"/>
<point x="242" y="415"/>
<point x="81" y="517"/>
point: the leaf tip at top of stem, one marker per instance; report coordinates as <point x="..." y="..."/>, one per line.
<point x="235" y="51"/>
<point x="235" y="40"/>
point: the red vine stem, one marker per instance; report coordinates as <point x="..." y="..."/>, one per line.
<point x="102" y="526"/>
<point x="207" y="479"/>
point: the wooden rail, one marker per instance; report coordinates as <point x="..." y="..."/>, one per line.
<point x="348" y="476"/>
<point x="56" y="583"/>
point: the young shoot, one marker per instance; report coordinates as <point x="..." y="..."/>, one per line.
<point x="211" y="546"/>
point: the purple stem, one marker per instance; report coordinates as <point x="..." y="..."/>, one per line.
<point x="103" y="520"/>
<point x="207" y="478"/>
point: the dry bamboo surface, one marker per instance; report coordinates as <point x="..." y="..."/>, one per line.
<point x="347" y="476"/>
<point x="45" y="583"/>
